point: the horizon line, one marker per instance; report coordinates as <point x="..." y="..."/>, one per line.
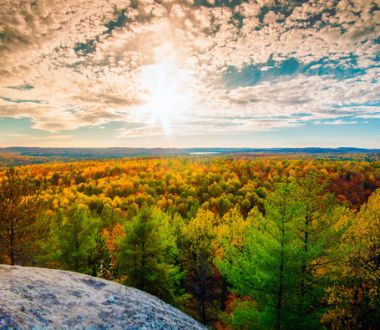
<point x="194" y="147"/>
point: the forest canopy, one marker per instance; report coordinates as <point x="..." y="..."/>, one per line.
<point x="261" y="243"/>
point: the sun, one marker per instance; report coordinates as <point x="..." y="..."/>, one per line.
<point x="165" y="93"/>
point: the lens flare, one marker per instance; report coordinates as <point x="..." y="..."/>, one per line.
<point x="165" y="94"/>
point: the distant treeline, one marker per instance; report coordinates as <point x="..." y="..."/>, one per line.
<point x="12" y="156"/>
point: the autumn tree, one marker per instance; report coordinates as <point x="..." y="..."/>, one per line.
<point x="113" y="239"/>
<point x="20" y="207"/>
<point x="197" y="258"/>
<point x="354" y="297"/>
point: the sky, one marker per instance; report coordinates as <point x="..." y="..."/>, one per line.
<point x="190" y="73"/>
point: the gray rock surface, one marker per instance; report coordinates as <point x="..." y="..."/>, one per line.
<point x="38" y="298"/>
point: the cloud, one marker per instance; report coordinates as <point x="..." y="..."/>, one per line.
<point x="252" y="65"/>
<point x="335" y="122"/>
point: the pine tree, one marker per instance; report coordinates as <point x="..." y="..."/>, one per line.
<point x="265" y="267"/>
<point x="286" y="258"/>
<point x="148" y="254"/>
<point x="319" y="233"/>
<point x="73" y="240"/>
<point x="99" y="259"/>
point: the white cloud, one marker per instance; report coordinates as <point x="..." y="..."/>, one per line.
<point x="100" y="83"/>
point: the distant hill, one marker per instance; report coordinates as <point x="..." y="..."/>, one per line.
<point x="92" y="152"/>
<point x="11" y="156"/>
<point x="309" y="150"/>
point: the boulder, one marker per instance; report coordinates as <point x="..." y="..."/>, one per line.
<point x="39" y="298"/>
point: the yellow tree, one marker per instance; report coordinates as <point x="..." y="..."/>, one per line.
<point x="355" y="298"/>
<point x="197" y="258"/>
<point x="19" y="211"/>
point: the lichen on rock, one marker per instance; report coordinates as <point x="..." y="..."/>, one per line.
<point x="53" y="299"/>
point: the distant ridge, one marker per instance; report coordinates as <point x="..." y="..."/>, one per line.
<point x="96" y="152"/>
<point x="307" y="150"/>
<point x="123" y="152"/>
<point x="12" y="156"/>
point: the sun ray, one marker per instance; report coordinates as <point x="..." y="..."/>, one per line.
<point x="165" y="92"/>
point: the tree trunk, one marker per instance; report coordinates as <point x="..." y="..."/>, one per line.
<point x="203" y="288"/>
<point x="12" y="242"/>
<point x="281" y="285"/>
<point x="303" y="269"/>
<point x="143" y="267"/>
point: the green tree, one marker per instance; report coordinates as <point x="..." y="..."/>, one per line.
<point x="285" y="261"/>
<point x="149" y="252"/>
<point x="319" y="232"/>
<point x="73" y="239"/>
<point x="110" y="217"/>
<point x="99" y="259"/>
<point x="265" y="266"/>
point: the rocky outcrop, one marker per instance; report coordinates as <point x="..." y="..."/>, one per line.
<point x="41" y="298"/>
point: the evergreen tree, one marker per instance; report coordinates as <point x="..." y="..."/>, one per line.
<point x="110" y="217"/>
<point x="319" y="233"/>
<point x="265" y="267"/>
<point x="284" y="263"/>
<point x="99" y="259"/>
<point x="73" y="239"/>
<point x="148" y="254"/>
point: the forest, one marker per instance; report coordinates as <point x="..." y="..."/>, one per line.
<point x="271" y="242"/>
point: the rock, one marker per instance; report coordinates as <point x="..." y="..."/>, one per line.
<point x="38" y="298"/>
